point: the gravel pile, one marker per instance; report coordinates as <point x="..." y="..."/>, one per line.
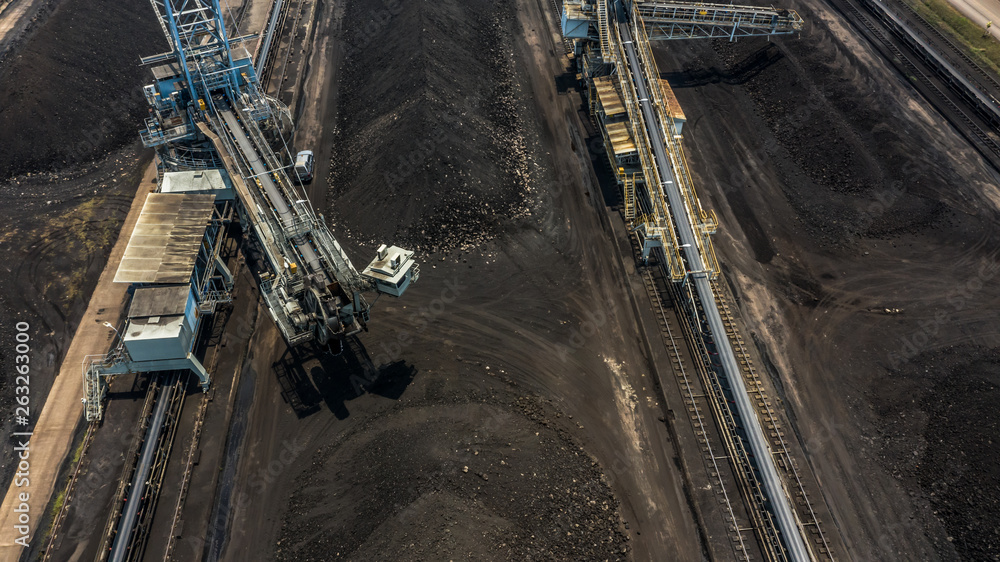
<point x="73" y="91"/>
<point x="471" y="477"/>
<point x="431" y="151"/>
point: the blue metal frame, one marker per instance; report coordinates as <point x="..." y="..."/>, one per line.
<point x="186" y="23"/>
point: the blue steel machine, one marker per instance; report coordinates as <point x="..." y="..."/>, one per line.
<point x="210" y="120"/>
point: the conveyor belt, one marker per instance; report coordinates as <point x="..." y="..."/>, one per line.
<point x="137" y="490"/>
<point x="286" y="215"/>
<point x="780" y="502"/>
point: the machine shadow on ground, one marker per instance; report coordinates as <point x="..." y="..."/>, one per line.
<point x="569" y="84"/>
<point x="312" y="376"/>
<point x="740" y="73"/>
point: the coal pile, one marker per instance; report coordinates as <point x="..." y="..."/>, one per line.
<point x="430" y="150"/>
<point x="473" y="478"/>
<point x="72" y="92"/>
<point x="842" y="144"/>
<point x="937" y="432"/>
<point x="70" y="162"/>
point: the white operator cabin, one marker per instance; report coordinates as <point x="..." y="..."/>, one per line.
<point x="162" y="322"/>
<point x="392" y="270"/>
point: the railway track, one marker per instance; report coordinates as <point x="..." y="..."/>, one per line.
<point x="769" y="419"/>
<point x="289" y="33"/>
<point x="268" y="45"/>
<point x="189" y="462"/>
<point x="990" y="83"/>
<point x="703" y="373"/>
<point x="890" y="41"/>
<point x="696" y="399"/>
<point x="708" y="400"/>
<point x="60" y="518"/>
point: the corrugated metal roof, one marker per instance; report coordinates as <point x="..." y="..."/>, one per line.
<point x="620" y="137"/>
<point x="673" y="106"/>
<point x="607" y="94"/>
<point x="166" y="239"/>
<point x="196" y="180"/>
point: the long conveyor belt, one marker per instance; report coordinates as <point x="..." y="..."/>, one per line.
<point x="779" y="501"/>
<point x="285" y="213"/>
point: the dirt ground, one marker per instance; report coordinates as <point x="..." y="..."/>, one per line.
<point x="844" y="197"/>
<point x="512" y="410"/>
<point x="858" y="235"/>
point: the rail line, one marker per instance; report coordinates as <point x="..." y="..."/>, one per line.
<point x="884" y="36"/>
<point x="290" y="33"/>
<point x="806" y="513"/>
<point x="664" y="210"/>
<point x="266" y="43"/>
<point x="193" y="451"/>
<point x="691" y="389"/>
<point x="60" y="517"/>
<point x="682" y="322"/>
<point x="665" y="183"/>
<point x="956" y="50"/>
<point x="123" y="481"/>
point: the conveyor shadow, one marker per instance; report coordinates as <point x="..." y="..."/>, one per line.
<point x="755" y="63"/>
<point x="311" y="376"/>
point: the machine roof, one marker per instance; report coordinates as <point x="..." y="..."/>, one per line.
<point x="197" y="180"/>
<point x="159" y="301"/>
<point x="673" y="106"/>
<point x="621" y="138"/>
<point x="608" y="95"/>
<point x="390" y="264"/>
<point x="166" y="240"/>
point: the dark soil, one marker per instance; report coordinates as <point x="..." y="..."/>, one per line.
<point x="939" y="436"/>
<point x="70" y="163"/>
<point x="841" y="195"/>
<point x="861" y="233"/>
<point x="521" y="344"/>
<point x="73" y="92"/>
